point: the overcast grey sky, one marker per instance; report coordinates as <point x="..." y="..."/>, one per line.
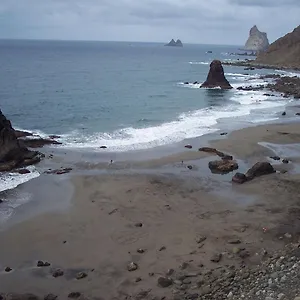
<point x="193" y="21"/>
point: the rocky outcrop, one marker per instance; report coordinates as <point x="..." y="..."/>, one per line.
<point x="216" y="77"/>
<point x="257" y="41"/>
<point x="284" y="52"/>
<point x="222" y="166"/>
<point x="13" y="152"/>
<point x="172" y="43"/>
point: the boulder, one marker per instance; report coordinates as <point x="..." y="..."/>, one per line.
<point x="223" y="166"/>
<point x="239" y="178"/>
<point x="13" y="152"/>
<point x="39" y="143"/>
<point x="257" y="41"/>
<point x="216" y="77"/>
<point x="216" y="152"/>
<point x="172" y="43"/>
<point x="259" y="169"/>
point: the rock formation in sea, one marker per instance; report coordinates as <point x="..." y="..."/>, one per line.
<point x="13" y="152"/>
<point x="172" y="43"/>
<point x="284" y="52"/>
<point x="257" y="41"/>
<point x="216" y="77"/>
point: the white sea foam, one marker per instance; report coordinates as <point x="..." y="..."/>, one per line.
<point x="199" y="63"/>
<point x="11" y="180"/>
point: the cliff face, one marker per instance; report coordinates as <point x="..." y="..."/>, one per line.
<point x="284" y="52"/>
<point x="257" y="41"/>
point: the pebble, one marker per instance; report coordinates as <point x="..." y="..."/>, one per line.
<point x="234" y="241"/>
<point x="281" y="296"/>
<point x="7" y="269"/>
<point x="140" y="250"/>
<point x="81" y="275"/>
<point x="187" y="281"/>
<point x="40" y="263"/>
<point x="216" y="258"/>
<point x="164" y="282"/>
<point x="200" y="239"/>
<point x="170" y="272"/>
<point x="184" y="265"/>
<point x="138" y="279"/>
<point x="138" y="224"/>
<point x="58" y="273"/>
<point x="230" y="295"/>
<point x="50" y="297"/>
<point x="283" y="279"/>
<point x="74" y="295"/>
<point x="162" y="248"/>
<point x="132" y="267"/>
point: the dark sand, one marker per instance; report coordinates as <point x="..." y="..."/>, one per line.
<point x="97" y="234"/>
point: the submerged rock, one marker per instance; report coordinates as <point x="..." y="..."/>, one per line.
<point x="216" y="77"/>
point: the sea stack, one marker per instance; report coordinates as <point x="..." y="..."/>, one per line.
<point x="284" y="52"/>
<point x="216" y="77"/>
<point x="13" y="153"/>
<point x="257" y="41"/>
<point x="172" y="43"/>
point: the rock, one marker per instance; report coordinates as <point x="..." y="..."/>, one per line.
<point x="8" y="269"/>
<point x="216" y="258"/>
<point x="236" y="250"/>
<point x="216" y="77"/>
<point x="50" y="297"/>
<point x="13" y="152"/>
<point x="183" y="266"/>
<point x="132" y="267"/>
<point x="57" y="273"/>
<point x="74" y="295"/>
<point x="239" y="178"/>
<point x="257" y="41"/>
<point x="14" y="296"/>
<point x="162" y="248"/>
<point x="164" y="282"/>
<point x="200" y="239"/>
<point x="172" y="43"/>
<point x="249" y="68"/>
<point x="188" y="146"/>
<point x="138" y="224"/>
<point x="244" y="254"/>
<point x="285" y="161"/>
<point x="223" y="133"/>
<point x="53" y="136"/>
<point x="23" y="171"/>
<point x="275" y="157"/>
<point x="186" y="82"/>
<point x="190" y="167"/>
<point x="81" y="275"/>
<point x="42" y="264"/>
<point x="39" y="143"/>
<point x="209" y="51"/>
<point x="234" y="241"/>
<point x="297" y="114"/>
<point x="259" y="169"/>
<point x="138" y="279"/>
<point x="103" y="147"/>
<point x="170" y="272"/>
<point x="284" y="113"/>
<point x="196" y="82"/>
<point x="140" y="250"/>
<point x="59" y="171"/>
<point x="20" y="133"/>
<point x="222" y="166"/>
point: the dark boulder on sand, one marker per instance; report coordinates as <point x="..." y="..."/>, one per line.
<point x="223" y="166"/>
<point x="216" y="77"/>
<point x="13" y="152"/>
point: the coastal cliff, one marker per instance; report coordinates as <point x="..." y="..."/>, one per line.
<point x="257" y="41"/>
<point x="284" y="52"/>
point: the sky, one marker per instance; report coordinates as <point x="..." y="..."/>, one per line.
<point x="224" y="22"/>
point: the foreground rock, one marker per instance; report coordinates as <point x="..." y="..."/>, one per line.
<point x="172" y="43"/>
<point x="257" y="41"/>
<point x="39" y="142"/>
<point x="259" y="169"/>
<point x="216" y="152"/>
<point x="216" y="77"/>
<point x="284" y="52"/>
<point x="223" y="166"/>
<point x="288" y="86"/>
<point x="13" y="152"/>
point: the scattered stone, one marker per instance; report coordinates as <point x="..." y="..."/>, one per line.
<point x="23" y="171"/>
<point x="138" y="279"/>
<point x="284" y="113"/>
<point x="239" y="178"/>
<point x="140" y="250"/>
<point x="188" y="146"/>
<point x="50" y="297"/>
<point x="223" y="133"/>
<point x="216" y="258"/>
<point x="285" y="161"/>
<point x="234" y="241"/>
<point x="74" y="295"/>
<point x="275" y="157"/>
<point x="190" y="167"/>
<point x="223" y="166"/>
<point x="57" y="273"/>
<point x="187" y="281"/>
<point x="59" y="171"/>
<point x="244" y="254"/>
<point x="259" y="169"/>
<point x="287" y="235"/>
<point x="103" y="147"/>
<point x="42" y="264"/>
<point x="164" y="282"/>
<point x="162" y="248"/>
<point x="184" y="265"/>
<point x="200" y="239"/>
<point x="132" y="267"/>
<point x="170" y="272"/>
<point x="138" y="225"/>
<point x="81" y="275"/>
<point x="8" y="269"/>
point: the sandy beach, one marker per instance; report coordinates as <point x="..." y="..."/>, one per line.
<point x="123" y="232"/>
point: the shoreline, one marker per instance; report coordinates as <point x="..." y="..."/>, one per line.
<point x="166" y="212"/>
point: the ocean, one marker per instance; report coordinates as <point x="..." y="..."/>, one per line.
<point x="126" y="96"/>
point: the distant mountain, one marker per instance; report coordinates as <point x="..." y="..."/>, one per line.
<point x="172" y="43"/>
<point x="284" y="52"/>
<point x="257" y="41"/>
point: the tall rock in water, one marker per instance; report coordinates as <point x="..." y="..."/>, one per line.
<point x="13" y="153"/>
<point x="257" y="41"/>
<point x="284" y="52"/>
<point x="172" y="43"/>
<point x="216" y="77"/>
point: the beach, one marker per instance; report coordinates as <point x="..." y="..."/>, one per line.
<point x="121" y="230"/>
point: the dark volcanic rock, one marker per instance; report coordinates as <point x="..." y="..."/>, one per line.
<point x="13" y="153"/>
<point x="74" y="295"/>
<point x="23" y="171"/>
<point x="239" y="178"/>
<point x="59" y="171"/>
<point x="216" y="77"/>
<point x="8" y="269"/>
<point x="50" y="297"/>
<point x="58" y="273"/>
<point x="172" y="43"/>
<point x="164" y="282"/>
<point x="259" y="169"/>
<point x="223" y="166"/>
<point x="216" y="152"/>
<point x="39" y="143"/>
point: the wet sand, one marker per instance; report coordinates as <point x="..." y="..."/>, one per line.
<point x="113" y="215"/>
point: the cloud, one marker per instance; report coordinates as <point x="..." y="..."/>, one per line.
<point x="214" y="21"/>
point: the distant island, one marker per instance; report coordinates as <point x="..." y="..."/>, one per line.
<point x="257" y="40"/>
<point x="172" y="43"/>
